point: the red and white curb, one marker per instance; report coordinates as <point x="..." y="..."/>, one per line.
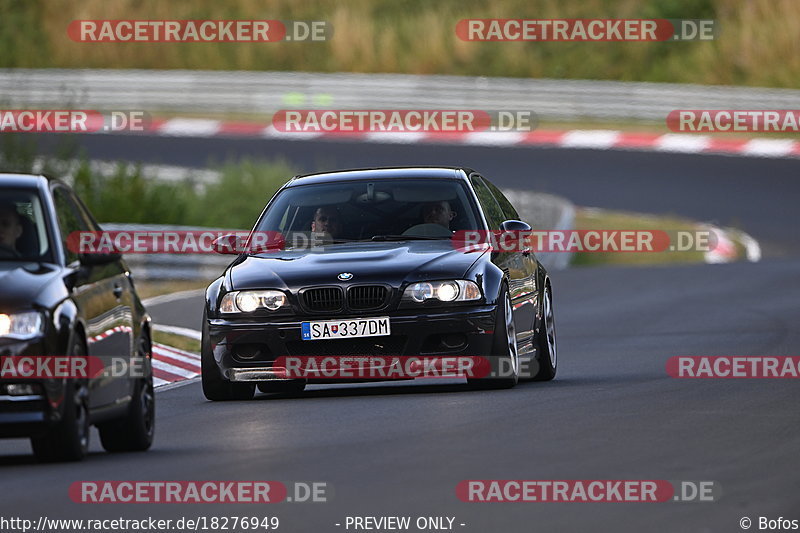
<point x="593" y="139"/>
<point x="108" y="333"/>
<point x="171" y="365"/>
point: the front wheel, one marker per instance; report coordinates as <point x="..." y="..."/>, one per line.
<point x="505" y="354"/>
<point x="68" y="439"/>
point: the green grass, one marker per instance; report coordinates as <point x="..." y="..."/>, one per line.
<point x="756" y="44"/>
<point x="147" y="288"/>
<point x="180" y="342"/>
<point x="235" y="201"/>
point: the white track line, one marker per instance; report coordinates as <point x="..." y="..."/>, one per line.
<point x="185" y="332"/>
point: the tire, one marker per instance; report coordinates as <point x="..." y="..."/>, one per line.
<point x="505" y="354"/>
<point x="134" y="432"/>
<point x="294" y="386"/>
<point x="546" y="349"/>
<point x="215" y="387"/>
<point x="68" y="439"/>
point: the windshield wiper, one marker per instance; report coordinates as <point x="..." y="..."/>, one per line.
<point x="406" y="238"/>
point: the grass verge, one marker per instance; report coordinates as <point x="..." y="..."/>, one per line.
<point x="180" y="342"/>
<point x="147" y="288"/>
<point x="234" y="201"/>
<point x="601" y="219"/>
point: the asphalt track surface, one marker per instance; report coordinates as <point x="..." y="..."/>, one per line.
<point x="612" y="412"/>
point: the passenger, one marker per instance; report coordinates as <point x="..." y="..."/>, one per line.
<point x="327" y="219"/>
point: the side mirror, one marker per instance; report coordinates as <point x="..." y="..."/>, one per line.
<point x="227" y="244"/>
<point x="518" y="228"/>
<point x="515" y="225"/>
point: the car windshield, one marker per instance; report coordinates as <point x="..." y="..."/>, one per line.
<point x="379" y="210"/>
<point x="23" y="231"/>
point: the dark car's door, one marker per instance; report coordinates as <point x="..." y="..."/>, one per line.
<point x="103" y="296"/>
<point x="520" y="266"/>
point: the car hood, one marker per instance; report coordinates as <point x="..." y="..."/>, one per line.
<point x="385" y="262"/>
<point x="21" y="283"/>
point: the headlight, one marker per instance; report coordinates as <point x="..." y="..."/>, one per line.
<point x="249" y="301"/>
<point x="21" y="325"/>
<point x="458" y="290"/>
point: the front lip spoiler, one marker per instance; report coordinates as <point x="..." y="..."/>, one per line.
<point x="267" y="373"/>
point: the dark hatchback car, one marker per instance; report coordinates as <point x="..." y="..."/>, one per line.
<point x="383" y="278"/>
<point x="56" y="303"/>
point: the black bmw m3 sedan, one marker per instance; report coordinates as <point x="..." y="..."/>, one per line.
<point x="370" y="264"/>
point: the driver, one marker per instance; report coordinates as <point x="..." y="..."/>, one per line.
<point x="10" y="227"/>
<point x="327" y="219"/>
<point x="438" y="213"/>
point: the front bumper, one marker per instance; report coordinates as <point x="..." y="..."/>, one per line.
<point x="25" y="415"/>
<point x="246" y="349"/>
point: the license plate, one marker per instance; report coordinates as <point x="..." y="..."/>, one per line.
<point x="345" y="329"/>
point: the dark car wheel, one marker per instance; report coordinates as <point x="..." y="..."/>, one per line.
<point x="284" y="387"/>
<point x="504" y="358"/>
<point x="215" y="387"/>
<point x="68" y="439"/>
<point x="546" y="340"/>
<point x="134" y="432"/>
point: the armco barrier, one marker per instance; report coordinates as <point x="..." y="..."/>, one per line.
<point x="266" y="92"/>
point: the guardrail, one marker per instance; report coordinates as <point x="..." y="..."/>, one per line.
<point x="194" y="91"/>
<point x="542" y="211"/>
<point x="172" y="266"/>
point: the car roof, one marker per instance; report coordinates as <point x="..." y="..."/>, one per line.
<point x="27" y="181"/>
<point x="381" y="173"/>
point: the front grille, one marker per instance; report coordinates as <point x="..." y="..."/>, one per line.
<point x="393" y="345"/>
<point x="323" y="299"/>
<point x="366" y="297"/>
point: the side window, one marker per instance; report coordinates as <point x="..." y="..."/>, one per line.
<point x="509" y="213"/>
<point x="69" y="219"/>
<point x="87" y="220"/>
<point x="491" y="209"/>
